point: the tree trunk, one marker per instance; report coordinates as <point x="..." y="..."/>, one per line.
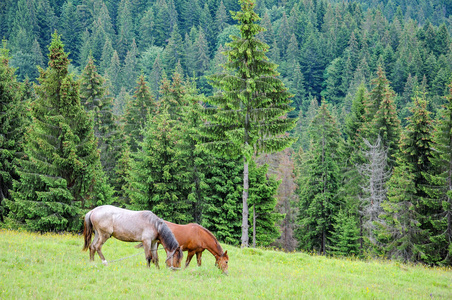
<point x="245" y="212"/>
<point x="254" y="225"/>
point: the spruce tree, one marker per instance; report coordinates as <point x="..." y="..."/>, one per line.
<point x="262" y="199"/>
<point x="137" y="112"/>
<point x="319" y="201"/>
<point x="94" y="96"/>
<point x="156" y="179"/>
<point x="62" y="174"/>
<point x="407" y="226"/>
<point x="439" y="189"/>
<point x="13" y="122"/>
<point x="344" y="238"/>
<point x="248" y="113"/>
<point x="222" y="208"/>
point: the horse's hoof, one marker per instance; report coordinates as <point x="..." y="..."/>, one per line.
<point x="105" y="263"/>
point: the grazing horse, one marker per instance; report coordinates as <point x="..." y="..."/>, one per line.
<point x="195" y="239"/>
<point x="130" y="226"/>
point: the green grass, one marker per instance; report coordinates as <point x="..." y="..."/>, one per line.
<point x="52" y="266"/>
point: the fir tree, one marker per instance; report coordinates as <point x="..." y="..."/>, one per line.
<point x="113" y="74"/>
<point x="263" y="202"/>
<point x="222" y="208"/>
<point x="439" y="200"/>
<point x="137" y="112"/>
<point x="129" y="72"/>
<point x="344" y="238"/>
<point x="156" y="180"/>
<point x="94" y="96"/>
<point x="62" y="174"/>
<point x="248" y="117"/>
<point x="319" y="202"/>
<point x="13" y="122"/>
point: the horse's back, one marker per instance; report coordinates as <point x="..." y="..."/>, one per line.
<point x="190" y="236"/>
<point x="124" y="224"/>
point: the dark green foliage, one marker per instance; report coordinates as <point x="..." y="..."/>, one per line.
<point x="61" y="173"/>
<point x="138" y="111"/>
<point x="222" y="208"/>
<point x="94" y="96"/>
<point x="13" y="122"/>
<point x="262" y="202"/>
<point x="319" y="186"/>
<point x="344" y="238"/>
<point x="439" y="180"/>
<point x="249" y="110"/>
<point x="157" y="181"/>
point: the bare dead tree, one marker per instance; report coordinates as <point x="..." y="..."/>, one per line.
<point x="375" y="173"/>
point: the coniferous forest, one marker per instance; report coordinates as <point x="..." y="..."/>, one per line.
<point x="315" y="125"/>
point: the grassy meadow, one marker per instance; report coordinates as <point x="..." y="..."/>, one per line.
<point x="52" y="266"/>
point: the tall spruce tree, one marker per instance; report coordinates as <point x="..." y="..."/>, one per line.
<point x="13" y="122"/>
<point x="157" y="181"/>
<point x="62" y="174"/>
<point x="95" y="97"/>
<point x="137" y="112"/>
<point x="249" y="109"/>
<point x="407" y="218"/>
<point x="439" y="189"/>
<point x="319" y="201"/>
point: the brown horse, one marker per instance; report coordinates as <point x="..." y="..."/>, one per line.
<point x="130" y="226"/>
<point x="195" y="239"/>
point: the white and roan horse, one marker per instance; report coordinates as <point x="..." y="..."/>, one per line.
<point x="130" y="226"/>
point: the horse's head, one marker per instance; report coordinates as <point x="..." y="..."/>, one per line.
<point x="174" y="258"/>
<point x="222" y="262"/>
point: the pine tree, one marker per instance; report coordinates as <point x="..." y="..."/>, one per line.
<point x="386" y="124"/>
<point x="407" y="223"/>
<point x="125" y="26"/>
<point x="94" y="96"/>
<point x="70" y="29"/>
<point x="137" y="112"/>
<point x="344" y="238"/>
<point x="174" y="51"/>
<point x="319" y="202"/>
<point x="156" y="180"/>
<point x="221" y="18"/>
<point x="62" y="174"/>
<point x="264" y="216"/>
<point x="129" y="72"/>
<point x="146" y="28"/>
<point x="13" y="122"/>
<point x="248" y="117"/>
<point x="113" y="74"/>
<point x="156" y="76"/>
<point x="107" y="54"/>
<point x="222" y="208"/>
<point x="439" y="200"/>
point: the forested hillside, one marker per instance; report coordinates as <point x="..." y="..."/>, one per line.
<point x="369" y="175"/>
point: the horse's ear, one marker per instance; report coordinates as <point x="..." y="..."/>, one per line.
<point x="225" y="253"/>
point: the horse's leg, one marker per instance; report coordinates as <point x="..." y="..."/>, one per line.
<point x="102" y="239"/>
<point x="189" y="257"/>
<point x="155" y="256"/>
<point x="92" y="250"/>
<point x="147" y="253"/>
<point x="198" y="257"/>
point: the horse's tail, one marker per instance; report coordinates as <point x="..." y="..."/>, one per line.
<point x="87" y="231"/>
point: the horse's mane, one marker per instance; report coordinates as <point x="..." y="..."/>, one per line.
<point x="220" y="250"/>
<point x="164" y="232"/>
